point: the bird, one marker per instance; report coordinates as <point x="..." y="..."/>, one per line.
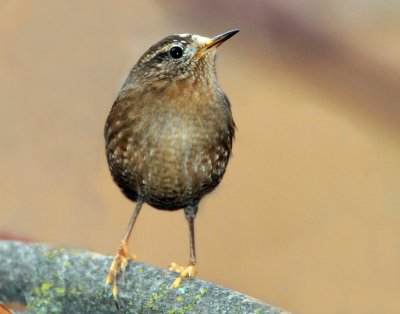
<point x="169" y="136"/>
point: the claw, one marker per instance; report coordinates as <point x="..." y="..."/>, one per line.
<point x="188" y="271"/>
<point x="120" y="262"/>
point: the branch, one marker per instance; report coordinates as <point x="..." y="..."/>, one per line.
<point x="58" y="280"/>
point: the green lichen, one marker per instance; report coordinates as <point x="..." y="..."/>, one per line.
<point x="140" y="270"/>
<point x="80" y="287"/>
<point x="54" y="252"/>
<point x="46" y="286"/>
<point x="188" y="308"/>
<point x="43" y="301"/>
<point x="200" y="295"/>
<point x="156" y="296"/>
<point x="60" y="291"/>
<point x="150" y="303"/>
<point x="257" y="309"/>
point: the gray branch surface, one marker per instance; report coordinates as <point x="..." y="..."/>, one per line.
<point x="57" y="280"/>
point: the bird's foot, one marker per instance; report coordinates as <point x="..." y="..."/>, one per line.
<point x="188" y="271"/>
<point x="119" y="263"/>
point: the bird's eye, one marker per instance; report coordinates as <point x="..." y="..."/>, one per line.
<point x="176" y="52"/>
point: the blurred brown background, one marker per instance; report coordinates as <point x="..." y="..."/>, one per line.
<point x="308" y="214"/>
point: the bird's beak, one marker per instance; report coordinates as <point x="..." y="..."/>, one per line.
<point x="216" y="41"/>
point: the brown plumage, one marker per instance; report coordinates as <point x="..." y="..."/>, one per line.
<point x="169" y="133"/>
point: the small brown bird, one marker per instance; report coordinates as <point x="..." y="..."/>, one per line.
<point x="169" y="134"/>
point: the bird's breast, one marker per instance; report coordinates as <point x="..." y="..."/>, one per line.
<point x="170" y="151"/>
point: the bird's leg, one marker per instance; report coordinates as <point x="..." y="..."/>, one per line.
<point x="190" y="270"/>
<point x="122" y="257"/>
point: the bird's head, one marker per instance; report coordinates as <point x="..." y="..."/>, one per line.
<point x="179" y="57"/>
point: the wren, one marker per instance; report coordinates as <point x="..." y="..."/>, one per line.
<point x="169" y="135"/>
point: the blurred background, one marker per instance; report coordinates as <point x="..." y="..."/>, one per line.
<point x="307" y="217"/>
